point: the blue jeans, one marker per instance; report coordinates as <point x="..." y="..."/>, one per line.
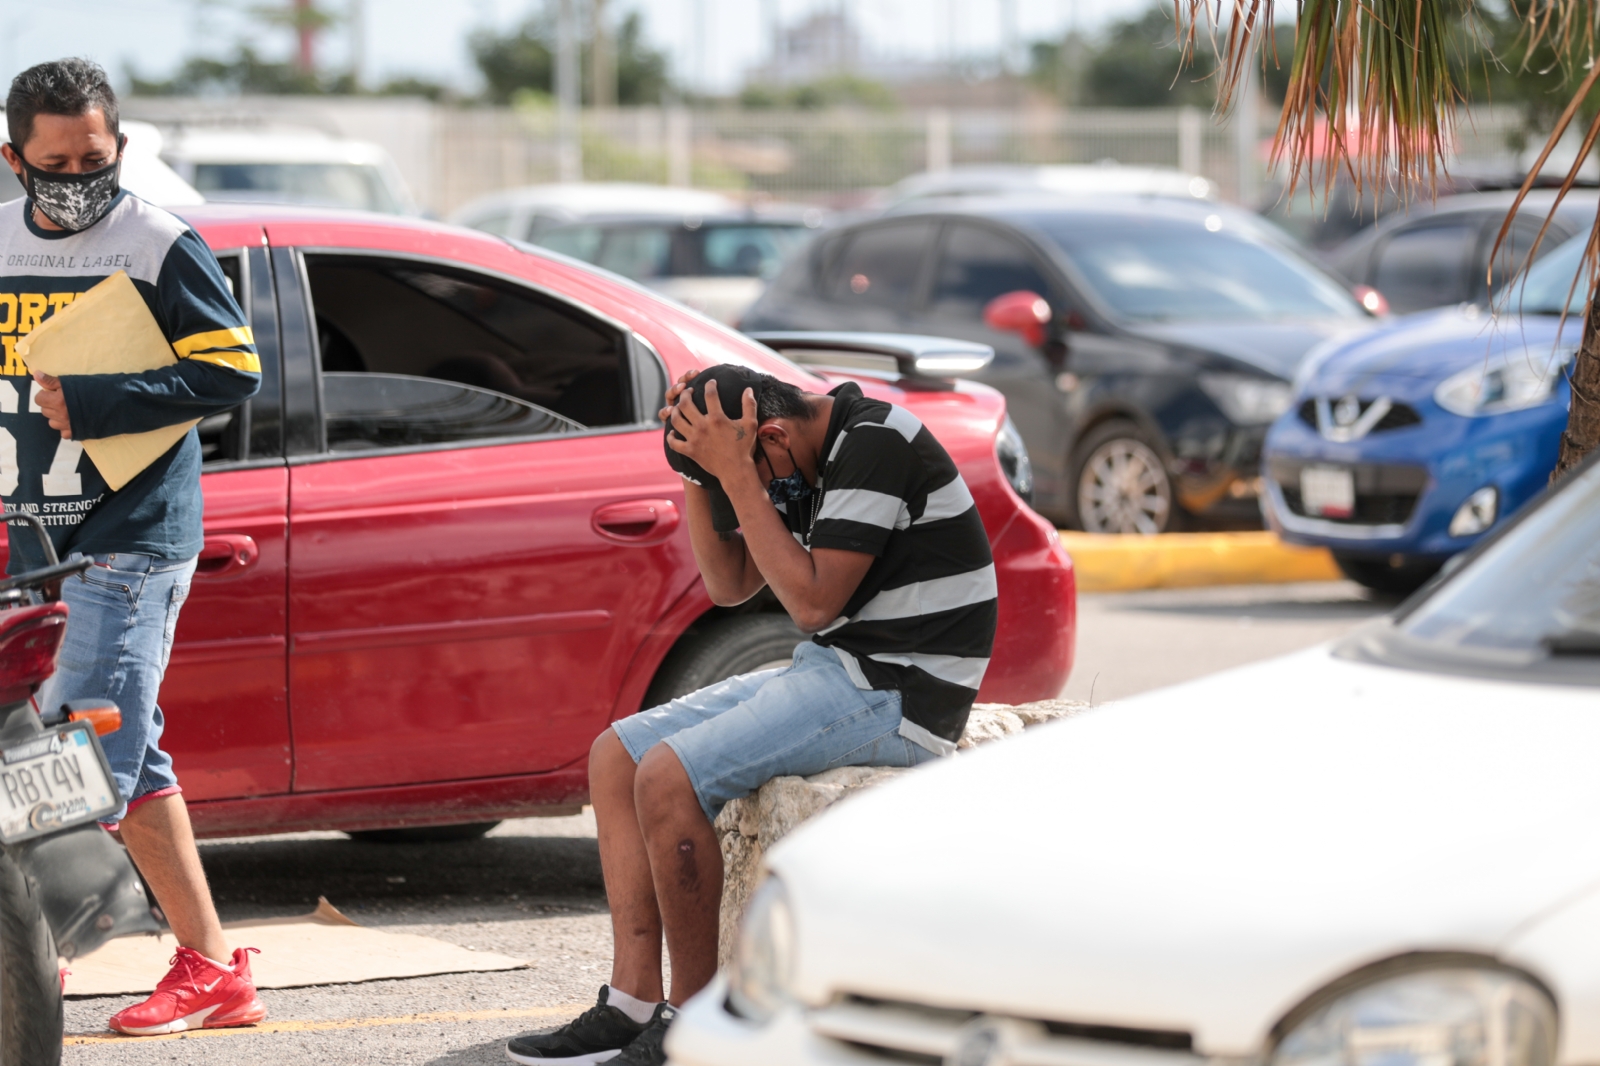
<point x="735" y="736"/>
<point x="124" y="612"/>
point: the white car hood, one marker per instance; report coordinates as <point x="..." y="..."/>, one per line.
<point x="1204" y="857"/>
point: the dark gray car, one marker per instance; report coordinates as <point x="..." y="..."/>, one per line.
<point x="1144" y="390"/>
<point x="1437" y="255"/>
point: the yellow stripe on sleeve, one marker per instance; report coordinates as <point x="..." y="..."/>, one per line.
<point x="218" y="338"/>
<point x="233" y="360"/>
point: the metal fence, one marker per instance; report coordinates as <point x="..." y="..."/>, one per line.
<point x="832" y="155"/>
<point x="453" y="154"/>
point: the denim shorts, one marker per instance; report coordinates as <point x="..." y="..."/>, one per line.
<point x="124" y="611"/>
<point x="735" y="736"/>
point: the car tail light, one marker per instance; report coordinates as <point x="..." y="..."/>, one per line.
<point x="30" y="641"/>
<point x="1371" y="299"/>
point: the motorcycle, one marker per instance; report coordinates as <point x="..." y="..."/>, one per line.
<point x="66" y="887"/>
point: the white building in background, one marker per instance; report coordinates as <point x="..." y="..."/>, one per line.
<point x="827" y="43"/>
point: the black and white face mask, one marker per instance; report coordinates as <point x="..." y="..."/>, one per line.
<point x="73" y="201"/>
<point x="785" y="490"/>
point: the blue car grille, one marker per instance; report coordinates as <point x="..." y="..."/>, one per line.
<point x="1398" y="416"/>
<point x="1385" y="494"/>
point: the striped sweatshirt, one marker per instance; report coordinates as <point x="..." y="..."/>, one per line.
<point x="922" y="621"/>
<point x="41" y="271"/>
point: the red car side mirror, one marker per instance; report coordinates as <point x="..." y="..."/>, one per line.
<point x="1021" y="312"/>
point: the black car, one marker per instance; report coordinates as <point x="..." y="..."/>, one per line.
<point x="1437" y="255"/>
<point x="1154" y="345"/>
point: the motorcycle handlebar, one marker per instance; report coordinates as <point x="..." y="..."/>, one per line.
<point x="9" y="515"/>
<point x="49" y="577"/>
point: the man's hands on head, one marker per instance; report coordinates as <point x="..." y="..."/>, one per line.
<point x="53" y="403"/>
<point x="724" y="448"/>
<point x="813" y="586"/>
<point x="676" y="389"/>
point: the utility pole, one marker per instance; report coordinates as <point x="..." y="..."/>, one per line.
<point x="702" y="50"/>
<point x="602" y="59"/>
<point x="569" y="152"/>
<point x="951" y="36"/>
<point x="774" y="21"/>
<point x="358" y="43"/>
<point x="305" y="28"/>
<point x="1008" y="36"/>
<point x="844" y="47"/>
<point x="1246" y="130"/>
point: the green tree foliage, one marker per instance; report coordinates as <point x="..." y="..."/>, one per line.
<point x="1135" y="64"/>
<point x="1497" y="66"/>
<point x="524" y="59"/>
<point x="246" y="72"/>
<point x="412" y="85"/>
<point x="840" y="90"/>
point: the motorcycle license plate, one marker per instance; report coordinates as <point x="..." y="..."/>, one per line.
<point x="1328" y="491"/>
<point x="54" y="780"/>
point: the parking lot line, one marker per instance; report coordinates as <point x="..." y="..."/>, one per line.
<point x="566" y="1011"/>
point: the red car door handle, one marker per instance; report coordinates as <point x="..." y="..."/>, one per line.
<point x="637" y="521"/>
<point x="226" y="554"/>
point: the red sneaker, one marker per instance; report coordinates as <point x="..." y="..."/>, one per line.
<point x="196" y="994"/>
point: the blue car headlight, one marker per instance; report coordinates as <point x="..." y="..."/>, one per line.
<point x="1513" y="383"/>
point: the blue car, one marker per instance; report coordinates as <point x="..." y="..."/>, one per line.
<point x="1406" y="444"/>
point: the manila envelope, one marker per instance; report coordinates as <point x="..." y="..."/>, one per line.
<point x="108" y="330"/>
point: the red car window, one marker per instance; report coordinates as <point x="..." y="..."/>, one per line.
<point x="520" y="364"/>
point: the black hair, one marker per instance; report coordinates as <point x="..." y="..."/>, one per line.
<point x="779" y="399"/>
<point x="59" y="87"/>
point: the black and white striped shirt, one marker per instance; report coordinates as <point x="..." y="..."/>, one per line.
<point x="923" y="618"/>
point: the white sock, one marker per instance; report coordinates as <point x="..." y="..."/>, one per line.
<point x="639" y="1010"/>
<point x="219" y="965"/>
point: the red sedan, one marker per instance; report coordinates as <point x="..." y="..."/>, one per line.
<point x="443" y="549"/>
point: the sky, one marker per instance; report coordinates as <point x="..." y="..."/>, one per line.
<point x="428" y="37"/>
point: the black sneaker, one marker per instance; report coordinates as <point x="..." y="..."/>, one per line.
<point x="597" y="1035"/>
<point x="647" y="1049"/>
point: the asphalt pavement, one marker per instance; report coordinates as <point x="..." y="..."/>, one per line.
<point x="532" y="889"/>
<point x="1132" y="642"/>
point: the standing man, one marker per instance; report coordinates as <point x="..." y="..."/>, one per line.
<point x="75" y="228"/>
<point x="857" y="519"/>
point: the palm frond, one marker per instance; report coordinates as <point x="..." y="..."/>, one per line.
<point x="1371" y="90"/>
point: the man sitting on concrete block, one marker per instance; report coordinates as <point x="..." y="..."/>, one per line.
<point x="857" y="519"/>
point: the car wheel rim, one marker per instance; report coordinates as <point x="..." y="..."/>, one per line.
<point x="1124" y="489"/>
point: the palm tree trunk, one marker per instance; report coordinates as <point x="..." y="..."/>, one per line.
<point x="1583" y="418"/>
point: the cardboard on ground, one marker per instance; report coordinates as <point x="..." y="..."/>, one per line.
<point x="320" y="948"/>
<point x="108" y="330"/>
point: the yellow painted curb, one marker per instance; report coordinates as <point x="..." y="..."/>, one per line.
<point x="1111" y="563"/>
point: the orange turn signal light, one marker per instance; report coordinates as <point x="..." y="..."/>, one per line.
<point x="104" y="719"/>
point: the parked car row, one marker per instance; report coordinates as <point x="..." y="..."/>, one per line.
<point x="1145" y="338"/>
<point x="442" y="549"/>
<point x="1162" y="339"/>
<point x="1145" y="342"/>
